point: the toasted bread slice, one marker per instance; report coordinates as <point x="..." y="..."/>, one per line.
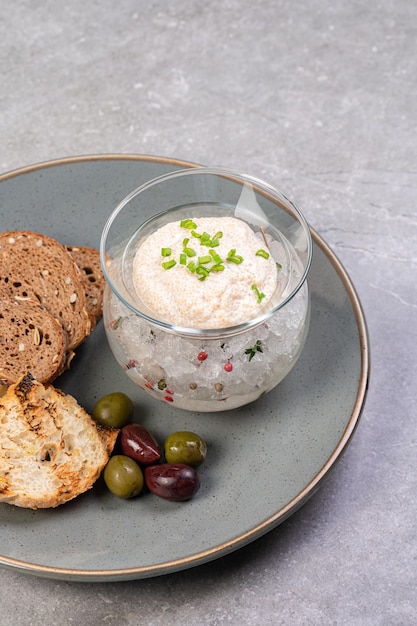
<point x="51" y="450"/>
<point x="38" y="268"/>
<point x="31" y="339"/>
<point x="88" y="262"/>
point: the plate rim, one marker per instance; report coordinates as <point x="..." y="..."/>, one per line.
<point x="193" y="560"/>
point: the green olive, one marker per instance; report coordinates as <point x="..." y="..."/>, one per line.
<point x="114" y="410"/>
<point x="185" y="447"/>
<point x="123" y="476"/>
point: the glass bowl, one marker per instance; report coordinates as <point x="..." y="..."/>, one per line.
<point x="207" y="369"/>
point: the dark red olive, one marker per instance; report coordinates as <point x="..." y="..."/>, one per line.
<point x="172" y="481"/>
<point x="138" y="444"/>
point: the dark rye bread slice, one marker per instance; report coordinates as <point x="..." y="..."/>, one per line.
<point x="31" y="339"/>
<point x="88" y="262"/>
<point x="51" y="449"/>
<point x="38" y="268"/>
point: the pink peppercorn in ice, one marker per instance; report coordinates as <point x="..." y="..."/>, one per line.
<point x="205" y="273"/>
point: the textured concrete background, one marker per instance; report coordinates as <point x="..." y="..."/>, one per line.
<point x="319" y="98"/>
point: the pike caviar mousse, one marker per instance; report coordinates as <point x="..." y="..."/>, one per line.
<point x="209" y="272"/>
<point x="206" y="306"/>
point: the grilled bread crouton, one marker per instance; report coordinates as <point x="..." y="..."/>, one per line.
<point x="51" y="450"/>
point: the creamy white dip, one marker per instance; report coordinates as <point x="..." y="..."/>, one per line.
<point x="168" y="282"/>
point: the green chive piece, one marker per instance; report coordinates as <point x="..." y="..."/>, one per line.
<point x="165" y="251"/>
<point x="195" y="234"/>
<point x="183" y="259"/>
<point x="168" y="264"/>
<point x="192" y="267"/>
<point x="203" y="272"/>
<point x="263" y="253"/>
<point x="189" y="252"/>
<point x="205" y="239"/>
<point x="235" y="259"/>
<point x="217" y="268"/>
<point x="214" y="243"/>
<point x="218" y="235"/>
<point x="279" y="266"/>
<point x="202" y="260"/>
<point x="188" y="224"/>
<point x="215" y="256"/>
<point x="260" y="295"/>
<point x="185" y="242"/>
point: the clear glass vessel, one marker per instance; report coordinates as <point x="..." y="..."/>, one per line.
<point x="207" y="369"/>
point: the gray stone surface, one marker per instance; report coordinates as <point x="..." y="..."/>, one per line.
<point x="319" y="98"/>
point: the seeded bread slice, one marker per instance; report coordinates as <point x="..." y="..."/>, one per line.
<point x="38" y="268"/>
<point x="51" y="450"/>
<point x="88" y="262"/>
<point x="31" y="339"/>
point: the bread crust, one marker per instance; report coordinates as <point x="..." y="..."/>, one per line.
<point x="88" y="261"/>
<point x="38" y="268"/>
<point x="51" y="450"/>
<point x="31" y="339"/>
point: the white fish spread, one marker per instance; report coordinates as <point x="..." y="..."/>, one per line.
<point x="211" y="272"/>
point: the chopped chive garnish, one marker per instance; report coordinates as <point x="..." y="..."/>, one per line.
<point x="263" y="253"/>
<point x="168" y="264"/>
<point x="217" y="258"/>
<point x="200" y="266"/>
<point x="203" y="272"/>
<point x="233" y="257"/>
<point x="260" y="295"/>
<point x="189" y="224"/>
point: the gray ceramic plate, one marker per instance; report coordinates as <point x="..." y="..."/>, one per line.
<point x="265" y="460"/>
